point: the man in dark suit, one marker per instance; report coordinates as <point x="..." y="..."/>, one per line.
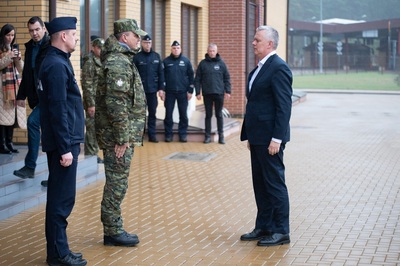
<point x="266" y="128"/>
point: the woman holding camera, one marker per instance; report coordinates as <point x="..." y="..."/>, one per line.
<point x="10" y="66"/>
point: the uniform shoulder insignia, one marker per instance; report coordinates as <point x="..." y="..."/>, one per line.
<point x="120" y="82"/>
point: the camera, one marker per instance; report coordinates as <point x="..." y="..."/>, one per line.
<point x="15" y="46"/>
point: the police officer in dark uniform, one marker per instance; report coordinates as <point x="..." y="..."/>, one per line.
<point x="62" y="120"/>
<point x="151" y="71"/>
<point x="179" y="86"/>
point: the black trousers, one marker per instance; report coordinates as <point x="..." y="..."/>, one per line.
<point x="152" y="103"/>
<point x="218" y="101"/>
<point x="169" y="103"/>
<point x="61" y="191"/>
<point x="270" y="190"/>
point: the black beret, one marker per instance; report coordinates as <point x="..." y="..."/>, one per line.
<point x="146" y="38"/>
<point x="61" y="23"/>
<point x="175" y="43"/>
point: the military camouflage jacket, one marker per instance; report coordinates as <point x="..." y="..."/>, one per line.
<point x="120" y="98"/>
<point x="90" y="75"/>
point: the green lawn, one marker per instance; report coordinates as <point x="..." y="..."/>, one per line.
<point x="350" y="81"/>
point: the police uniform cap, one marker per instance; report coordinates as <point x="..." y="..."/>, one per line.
<point x="146" y="38"/>
<point x="60" y="24"/>
<point x="126" y="24"/>
<point x="175" y="43"/>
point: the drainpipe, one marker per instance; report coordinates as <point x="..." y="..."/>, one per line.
<point x="52" y="9"/>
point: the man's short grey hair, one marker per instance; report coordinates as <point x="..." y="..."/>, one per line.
<point x="270" y="34"/>
<point x="212" y="45"/>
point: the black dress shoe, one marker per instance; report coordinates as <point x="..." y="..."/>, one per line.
<point x="68" y="260"/>
<point x="155" y="140"/>
<point x="44" y="183"/>
<point x="274" y="240"/>
<point x="125" y="239"/>
<point x="183" y="139"/>
<point x="168" y="139"/>
<point x="77" y="255"/>
<point x="256" y="234"/>
<point x="207" y="140"/>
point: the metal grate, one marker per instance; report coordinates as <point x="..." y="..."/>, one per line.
<point x="191" y="156"/>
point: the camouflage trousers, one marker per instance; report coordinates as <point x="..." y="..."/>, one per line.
<point x="91" y="146"/>
<point x="117" y="172"/>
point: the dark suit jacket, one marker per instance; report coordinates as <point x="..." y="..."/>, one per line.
<point x="269" y="104"/>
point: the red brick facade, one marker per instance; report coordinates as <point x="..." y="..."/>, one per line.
<point x="227" y="28"/>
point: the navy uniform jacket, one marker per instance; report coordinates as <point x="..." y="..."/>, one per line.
<point x="61" y="109"/>
<point x="179" y="74"/>
<point x="151" y="70"/>
<point x="269" y="104"/>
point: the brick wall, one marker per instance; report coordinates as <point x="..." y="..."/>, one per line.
<point x="227" y="28"/>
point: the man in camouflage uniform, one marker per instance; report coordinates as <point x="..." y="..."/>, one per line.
<point x="90" y="75"/>
<point x="120" y="121"/>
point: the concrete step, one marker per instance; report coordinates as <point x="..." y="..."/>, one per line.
<point x="17" y="195"/>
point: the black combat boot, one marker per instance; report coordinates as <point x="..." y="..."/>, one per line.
<point x="221" y="139"/>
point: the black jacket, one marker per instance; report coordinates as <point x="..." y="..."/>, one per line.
<point x="151" y="70"/>
<point x="179" y="74"/>
<point x="212" y="76"/>
<point x="61" y="109"/>
<point x="27" y="89"/>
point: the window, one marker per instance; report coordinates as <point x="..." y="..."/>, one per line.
<point x="153" y="22"/>
<point x="189" y="32"/>
<point x="97" y="18"/>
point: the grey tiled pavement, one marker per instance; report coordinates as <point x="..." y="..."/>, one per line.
<point x="343" y="175"/>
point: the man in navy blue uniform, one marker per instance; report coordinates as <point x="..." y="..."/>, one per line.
<point x="151" y="71"/>
<point x="266" y="129"/>
<point x="179" y="86"/>
<point x="62" y="120"/>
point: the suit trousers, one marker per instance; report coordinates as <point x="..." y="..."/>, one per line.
<point x="61" y="191"/>
<point x="270" y="190"/>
